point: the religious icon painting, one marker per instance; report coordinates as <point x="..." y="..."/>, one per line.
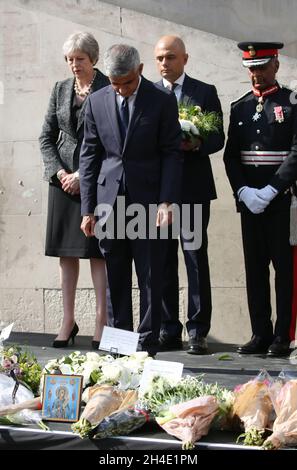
<point x="61" y="397"/>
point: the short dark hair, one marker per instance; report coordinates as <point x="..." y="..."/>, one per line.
<point x="120" y="59"/>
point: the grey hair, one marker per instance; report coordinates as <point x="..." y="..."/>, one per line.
<point x="120" y="59"/>
<point x="84" y="42"/>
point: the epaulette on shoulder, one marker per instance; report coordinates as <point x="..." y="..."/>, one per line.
<point x="241" y="97"/>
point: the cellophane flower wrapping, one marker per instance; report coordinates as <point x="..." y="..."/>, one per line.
<point x="191" y="420"/>
<point x="24" y="410"/>
<point x="284" y="431"/>
<point x="254" y="408"/>
<point x="162" y="394"/>
<point x="121" y="423"/>
<point x="103" y="400"/>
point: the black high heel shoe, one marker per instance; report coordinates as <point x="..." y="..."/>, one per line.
<point x="95" y="344"/>
<point x="63" y="343"/>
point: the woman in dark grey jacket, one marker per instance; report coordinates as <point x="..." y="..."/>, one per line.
<point x="60" y="143"/>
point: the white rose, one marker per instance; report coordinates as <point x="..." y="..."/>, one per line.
<point x="111" y="371"/>
<point x="93" y="357"/>
<point x="88" y="368"/>
<point x="139" y="355"/>
<point x="133" y="365"/>
<point x="66" y="369"/>
<point x="75" y="353"/>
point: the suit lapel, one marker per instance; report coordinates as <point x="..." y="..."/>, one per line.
<point x="67" y="105"/>
<point x="111" y="112"/>
<point x="140" y="102"/>
<point x="187" y="91"/>
<point x="137" y="111"/>
<point x="81" y="114"/>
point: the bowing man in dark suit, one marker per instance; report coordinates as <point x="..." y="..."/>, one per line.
<point x="198" y="188"/>
<point x="131" y="149"/>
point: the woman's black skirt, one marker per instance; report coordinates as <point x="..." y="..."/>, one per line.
<point x="63" y="234"/>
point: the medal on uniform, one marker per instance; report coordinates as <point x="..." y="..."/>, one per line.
<point x="279" y="115"/>
<point x="259" y="109"/>
<point x="259" y="106"/>
<point x="256" y="116"/>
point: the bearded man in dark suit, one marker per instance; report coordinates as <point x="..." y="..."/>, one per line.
<point x="198" y="188"/>
<point x="131" y="149"/>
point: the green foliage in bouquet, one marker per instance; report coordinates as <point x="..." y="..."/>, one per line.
<point x="161" y="394"/>
<point x="31" y="371"/>
<point x="206" y="122"/>
<point x="253" y="437"/>
<point x="82" y="427"/>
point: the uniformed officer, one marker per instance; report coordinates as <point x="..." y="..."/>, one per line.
<point x="260" y="160"/>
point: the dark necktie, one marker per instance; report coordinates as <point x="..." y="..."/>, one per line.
<point x="124" y="117"/>
<point x="172" y="86"/>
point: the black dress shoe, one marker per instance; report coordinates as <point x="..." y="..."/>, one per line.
<point x="170" y="343"/>
<point x="197" y="345"/>
<point x="95" y="344"/>
<point x="257" y="345"/>
<point x="63" y="343"/>
<point x="150" y="348"/>
<point x="279" y="347"/>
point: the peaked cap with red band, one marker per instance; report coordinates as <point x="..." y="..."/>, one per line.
<point x="258" y="53"/>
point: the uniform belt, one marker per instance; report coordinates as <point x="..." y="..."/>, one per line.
<point x="263" y="157"/>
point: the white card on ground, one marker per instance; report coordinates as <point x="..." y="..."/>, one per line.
<point x="119" y="341"/>
<point x="168" y="369"/>
<point x="5" y="333"/>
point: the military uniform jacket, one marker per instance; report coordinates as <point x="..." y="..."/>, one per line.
<point x="262" y="150"/>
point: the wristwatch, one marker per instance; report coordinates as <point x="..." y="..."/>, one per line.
<point x="76" y="174"/>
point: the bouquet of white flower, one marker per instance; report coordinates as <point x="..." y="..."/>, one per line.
<point x="197" y="123"/>
<point x="125" y="372"/>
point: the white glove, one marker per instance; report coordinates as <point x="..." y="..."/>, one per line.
<point x="267" y="193"/>
<point x="252" y="201"/>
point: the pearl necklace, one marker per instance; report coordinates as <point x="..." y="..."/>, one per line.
<point x="78" y="90"/>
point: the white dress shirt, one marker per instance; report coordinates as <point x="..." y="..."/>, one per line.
<point x="178" y="89"/>
<point x="131" y="100"/>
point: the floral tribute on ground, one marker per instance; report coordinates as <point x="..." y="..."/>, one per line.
<point x="188" y="408"/>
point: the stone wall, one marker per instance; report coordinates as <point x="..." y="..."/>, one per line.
<point x="261" y="20"/>
<point x="32" y="33"/>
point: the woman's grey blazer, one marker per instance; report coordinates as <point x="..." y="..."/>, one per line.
<point x="59" y="140"/>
